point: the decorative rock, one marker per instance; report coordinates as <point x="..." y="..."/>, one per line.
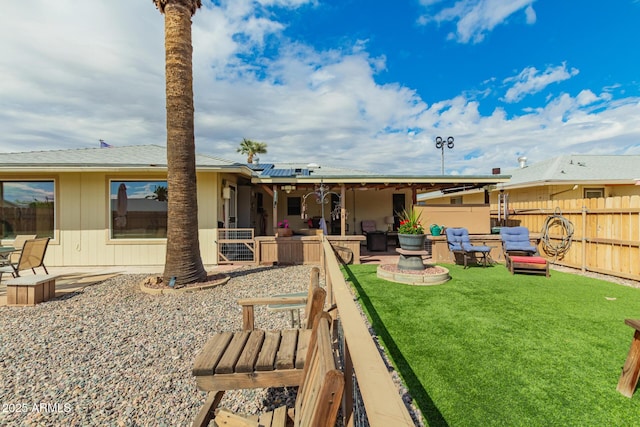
<point x="114" y="355"/>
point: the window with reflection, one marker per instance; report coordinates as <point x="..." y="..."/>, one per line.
<point x="138" y="209"/>
<point x="27" y="207"/>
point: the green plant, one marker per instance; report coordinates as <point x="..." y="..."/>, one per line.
<point x="251" y="148"/>
<point x="161" y="193"/>
<point x="283" y="224"/>
<point x="410" y="222"/>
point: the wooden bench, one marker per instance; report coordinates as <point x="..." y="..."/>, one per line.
<point x="319" y="395"/>
<point x="30" y="290"/>
<point x="527" y="264"/>
<point x="255" y="358"/>
<point x="631" y="369"/>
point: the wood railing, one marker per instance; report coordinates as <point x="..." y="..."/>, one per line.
<point x="606" y="232"/>
<point x="382" y="402"/>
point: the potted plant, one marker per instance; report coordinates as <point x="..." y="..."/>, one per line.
<point x="283" y="229"/>
<point x="411" y="232"/>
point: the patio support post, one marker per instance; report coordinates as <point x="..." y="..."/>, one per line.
<point x="274" y="216"/>
<point x="343" y="210"/>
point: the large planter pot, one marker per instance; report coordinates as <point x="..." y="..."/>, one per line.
<point x="412" y="242"/>
<point x="284" y="232"/>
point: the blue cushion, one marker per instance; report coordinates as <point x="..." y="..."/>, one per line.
<point x="516" y="239"/>
<point x="454" y="246"/>
<point x="458" y="240"/>
<point x="473" y="248"/>
<point x="517" y="246"/>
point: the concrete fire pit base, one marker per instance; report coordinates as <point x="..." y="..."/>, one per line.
<point x="430" y="275"/>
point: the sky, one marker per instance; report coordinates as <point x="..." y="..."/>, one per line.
<point x="358" y="84"/>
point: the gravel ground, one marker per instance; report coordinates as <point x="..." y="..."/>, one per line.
<point x="113" y="355"/>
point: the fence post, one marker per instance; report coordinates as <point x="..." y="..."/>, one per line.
<point x="347" y="396"/>
<point x="584" y="239"/>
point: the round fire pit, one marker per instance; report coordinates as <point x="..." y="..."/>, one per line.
<point x="430" y="275"/>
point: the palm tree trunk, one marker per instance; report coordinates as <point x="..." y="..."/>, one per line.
<point x="183" y="259"/>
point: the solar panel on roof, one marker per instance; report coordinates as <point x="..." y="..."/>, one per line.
<point x="278" y="172"/>
<point x="260" y="166"/>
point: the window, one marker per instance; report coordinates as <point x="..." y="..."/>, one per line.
<point x="293" y="206"/>
<point x="138" y="209"/>
<point x="455" y="200"/>
<point x="593" y="193"/>
<point x="27" y="207"/>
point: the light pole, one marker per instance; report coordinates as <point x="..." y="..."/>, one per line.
<point x="441" y="143"/>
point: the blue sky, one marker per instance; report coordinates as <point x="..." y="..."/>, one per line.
<point x="347" y="83"/>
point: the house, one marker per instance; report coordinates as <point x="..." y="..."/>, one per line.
<point x="107" y="206"/>
<point x="574" y="176"/>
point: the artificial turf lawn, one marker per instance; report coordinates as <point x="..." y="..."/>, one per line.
<point x="491" y="349"/>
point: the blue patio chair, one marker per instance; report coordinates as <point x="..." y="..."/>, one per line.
<point x="516" y="241"/>
<point x="459" y="243"/>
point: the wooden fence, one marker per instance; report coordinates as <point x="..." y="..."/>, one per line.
<point x="606" y="232"/>
<point x="371" y="398"/>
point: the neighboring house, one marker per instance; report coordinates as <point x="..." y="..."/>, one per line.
<point x="107" y="206"/>
<point x="573" y="176"/>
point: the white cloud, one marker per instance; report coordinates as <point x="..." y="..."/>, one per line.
<point x="77" y="73"/>
<point x="475" y="18"/>
<point x="530" y="15"/>
<point x="530" y="81"/>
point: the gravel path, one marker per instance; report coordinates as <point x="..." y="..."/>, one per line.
<point x="605" y="277"/>
<point x="113" y="355"/>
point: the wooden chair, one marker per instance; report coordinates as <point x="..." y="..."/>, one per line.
<point x="631" y="369"/>
<point x="254" y="358"/>
<point x="319" y="395"/>
<point x="31" y="257"/>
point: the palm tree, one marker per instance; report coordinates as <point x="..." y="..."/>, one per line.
<point x="251" y="148"/>
<point x="183" y="259"/>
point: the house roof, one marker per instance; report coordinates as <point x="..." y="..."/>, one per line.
<point x="306" y="175"/>
<point x="137" y="157"/>
<point x="585" y="169"/>
<point x="147" y="158"/>
<point x="293" y="170"/>
<point x="579" y="169"/>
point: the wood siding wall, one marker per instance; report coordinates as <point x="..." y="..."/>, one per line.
<point x="81" y="235"/>
<point x="606" y="231"/>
